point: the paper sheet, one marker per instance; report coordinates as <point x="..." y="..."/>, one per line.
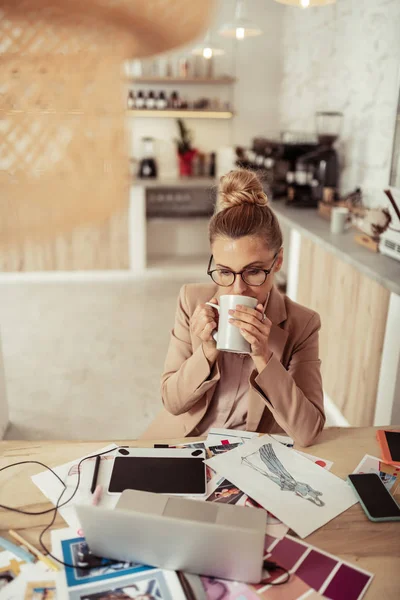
<point x="292" y="487"/>
<point x="68" y="472"/>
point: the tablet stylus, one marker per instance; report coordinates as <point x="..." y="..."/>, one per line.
<point x="95" y="474"/>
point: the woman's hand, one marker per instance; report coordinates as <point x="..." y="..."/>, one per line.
<point x="255" y="329"/>
<point x="202" y="323"/>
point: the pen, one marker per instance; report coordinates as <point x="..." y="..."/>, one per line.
<point x="44" y="559"/>
<point x="17" y="550"/>
<point x="95" y="474"/>
<point x="97" y="495"/>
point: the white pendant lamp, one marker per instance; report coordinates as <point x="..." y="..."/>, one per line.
<point x="306" y="3"/>
<point x="207" y="49"/>
<point x="241" y="27"/>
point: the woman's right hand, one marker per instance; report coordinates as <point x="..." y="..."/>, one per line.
<point x="202" y="323"/>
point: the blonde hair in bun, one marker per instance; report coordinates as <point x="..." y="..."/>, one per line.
<point x="238" y="187"/>
<point x="242" y="209"/>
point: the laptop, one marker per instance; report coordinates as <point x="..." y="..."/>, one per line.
<point x="205" y="538"/>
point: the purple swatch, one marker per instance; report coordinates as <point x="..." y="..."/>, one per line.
<point x="287" y="553"/>
<point x="347" y="583"/>
<point x="315" y="568"/>
<point x="269" y="540"/>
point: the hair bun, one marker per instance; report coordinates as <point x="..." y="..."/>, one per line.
<point x="240" y="187"/>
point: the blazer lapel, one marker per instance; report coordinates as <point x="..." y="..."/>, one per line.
<point x="275" y="312"/>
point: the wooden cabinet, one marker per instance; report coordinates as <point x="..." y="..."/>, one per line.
<point x="353" y="310"/>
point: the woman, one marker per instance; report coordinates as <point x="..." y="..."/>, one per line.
<point x="276" y="388"/>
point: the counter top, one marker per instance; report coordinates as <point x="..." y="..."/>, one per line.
<point x="180" y="182"/>
<point x="383" y="269"/>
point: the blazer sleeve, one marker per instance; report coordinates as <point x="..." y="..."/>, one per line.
<point x="187" y="373"/>
<point x="295" y="395"/>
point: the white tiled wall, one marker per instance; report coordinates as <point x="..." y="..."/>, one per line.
<point x="346" y="57"/>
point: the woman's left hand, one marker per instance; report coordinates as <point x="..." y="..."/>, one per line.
<point x="255" y="328"/>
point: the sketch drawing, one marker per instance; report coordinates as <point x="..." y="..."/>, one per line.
<point x="276" y="472"/>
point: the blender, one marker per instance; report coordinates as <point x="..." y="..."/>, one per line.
<point x="148" y="164"/>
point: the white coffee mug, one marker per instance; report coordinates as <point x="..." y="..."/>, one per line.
<point x="339" y="218"/>
<point x="229" y="337"/>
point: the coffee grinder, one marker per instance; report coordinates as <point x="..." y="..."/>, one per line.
<point x="317" y="172"/>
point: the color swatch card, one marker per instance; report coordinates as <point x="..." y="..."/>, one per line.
<point x="326" y="574"/>
<point x="295" y="489"/>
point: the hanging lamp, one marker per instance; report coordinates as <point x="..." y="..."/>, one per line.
<point x="207" y="49"/>
<point x="306" y="3"/>
<point x="241" y="27"/>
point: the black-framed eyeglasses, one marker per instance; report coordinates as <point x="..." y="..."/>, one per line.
<point x="253" y="276"/>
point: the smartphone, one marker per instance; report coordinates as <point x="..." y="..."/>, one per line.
<point x="389" y="442"/>
<point x="375" y="499"/>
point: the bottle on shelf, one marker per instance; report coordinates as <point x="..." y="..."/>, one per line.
<point x="212" y="165"/>
<point x="175" y="100"/>
<point x="131" y="100"/>
<point x="140" y="100"/>
<point x="183" y="67"/>
<point x="161" y="101"/>
<point x="150" y="102"/>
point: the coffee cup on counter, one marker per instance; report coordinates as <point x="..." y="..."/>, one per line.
<point x="340" y="219"/>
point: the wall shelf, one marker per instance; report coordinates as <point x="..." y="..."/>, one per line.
<point x="179" y="80"/>
<point x="184" y="113"/>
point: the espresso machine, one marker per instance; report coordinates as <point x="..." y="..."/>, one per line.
<point x="316" y="177"/>
<point x="275" y="160"/>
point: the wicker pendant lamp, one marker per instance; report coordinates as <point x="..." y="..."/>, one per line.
<point x="63" y="152"/>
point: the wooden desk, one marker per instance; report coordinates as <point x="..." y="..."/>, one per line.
<point x="372" y="546"/>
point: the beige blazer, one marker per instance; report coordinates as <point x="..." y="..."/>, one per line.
<point x="286" y="396"/>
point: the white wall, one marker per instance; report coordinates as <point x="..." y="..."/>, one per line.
<point x="3" y="398"/>
<point x="346" y="57"/>
<point x="257" y="64"/>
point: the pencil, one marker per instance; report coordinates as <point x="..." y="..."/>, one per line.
<point x="44" y="559"/>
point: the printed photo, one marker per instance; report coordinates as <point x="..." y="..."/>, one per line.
<point x="158" y="585"/>
<point x="5" y="578"/>
<point x="41" y="590"/>
<point x="218" y="589"/>
<point x="148" y="590"/>
<point x="226" y="492"/>
<point x="89" y="567"/>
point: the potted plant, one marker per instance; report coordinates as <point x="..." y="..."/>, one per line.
<point x="184" y="148"/>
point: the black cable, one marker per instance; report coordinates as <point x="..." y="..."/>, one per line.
<point x="272" y="566"/>
<point x="54" y="510"/>
<point x="269" y="565"/>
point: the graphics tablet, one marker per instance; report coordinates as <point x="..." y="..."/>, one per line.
<point x="173" y="471"/>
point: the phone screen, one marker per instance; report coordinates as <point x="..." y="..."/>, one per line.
<point x="377" y="500"/>
<point x="393" y="441"/>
